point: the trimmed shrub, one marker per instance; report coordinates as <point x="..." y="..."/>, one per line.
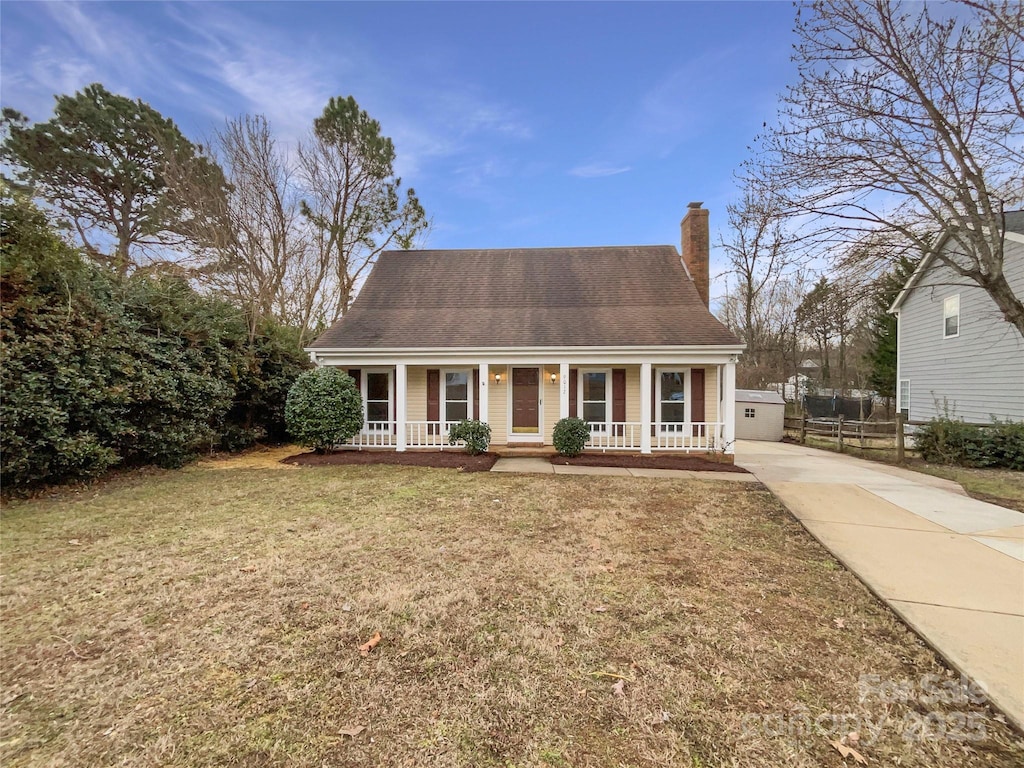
<point x="570" y="436"/>
<point x="324" y="408"/>
<point x="476" y="434"/>
<point x="951" y="441"/>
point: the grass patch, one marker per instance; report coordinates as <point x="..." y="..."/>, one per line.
<point x="213" y="616"/>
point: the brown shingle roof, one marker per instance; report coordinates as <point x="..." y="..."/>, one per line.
<point x="529" y="297"/>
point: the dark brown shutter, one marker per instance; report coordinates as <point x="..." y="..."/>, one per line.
<point x="476" y="394"/>
<point x="619" y="396"/>
<point x="355" y="373"/>
<point x="573" y="378"/>
<point x="697" y="397"/>
<point x="433" y="398"/>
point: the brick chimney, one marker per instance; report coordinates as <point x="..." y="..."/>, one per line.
<point x="696" y="247"/>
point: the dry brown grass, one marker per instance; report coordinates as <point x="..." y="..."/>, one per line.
<point x="214" y="616"/>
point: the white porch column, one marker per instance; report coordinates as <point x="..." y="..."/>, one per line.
<point x="645" y="408"/>
<point x="563" y="391"/>
<point x="401" y="401"/>
<point x="482" y="392"/>
<point x="729" y="405"/>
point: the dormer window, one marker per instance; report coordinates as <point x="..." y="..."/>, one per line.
<point x="951" y="317"/>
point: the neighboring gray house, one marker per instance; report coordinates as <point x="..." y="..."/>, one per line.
<point x="956" y="353"/>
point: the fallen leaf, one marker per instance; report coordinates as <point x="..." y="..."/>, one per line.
<point x="369" y="645"/>
<point x="853" y="738"/>
<point x="248" y="569"/>
<point x="846" y="751"/>
<point x="840" y="624"/>
<point x="660" y="718"/>
<point x="346" y="607"/>
<point x="601" y="609"/>
<point x="74" y="542"/>
<point x="617" y="689"/>
<point x="352" y="730"/>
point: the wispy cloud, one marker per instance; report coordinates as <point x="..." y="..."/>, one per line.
<point x="598" y="170"/>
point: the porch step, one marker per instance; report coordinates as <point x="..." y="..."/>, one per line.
<point x="528" y="451"/>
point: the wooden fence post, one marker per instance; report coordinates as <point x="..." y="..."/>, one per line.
<point x="899" y="437"/>
<point x="839" y="434"/>
<point x="803" y="428"/>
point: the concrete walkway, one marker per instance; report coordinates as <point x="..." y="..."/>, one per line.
<point x="950" y="566"/>
<point x="543" y="466"/>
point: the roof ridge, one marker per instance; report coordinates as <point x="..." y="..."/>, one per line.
<point x="532" y="248"/>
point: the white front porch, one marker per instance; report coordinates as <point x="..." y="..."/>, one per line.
<point x="640" y="405"/>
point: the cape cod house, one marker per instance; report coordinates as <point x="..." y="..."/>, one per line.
<point x="956" y="354"/>
<point x="620" y="336"/>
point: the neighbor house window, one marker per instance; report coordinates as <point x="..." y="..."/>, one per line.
<point x="671" y="397"/>
<point x="951" y="316"/>
<point x="749" y="413"/>
<point x="376" y="386"/>
<point x="904" y="398"/>
<point x="595" y="394"/>
<point x="458" y="395"/>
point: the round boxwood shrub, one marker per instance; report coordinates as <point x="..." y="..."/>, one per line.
<point x="570" y="435"/>
<point x="476" y="435"/>
<point x="324" y="408"/>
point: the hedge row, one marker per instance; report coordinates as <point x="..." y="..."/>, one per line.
<point x="100" y="370"/>
<point x="949" y="441"/>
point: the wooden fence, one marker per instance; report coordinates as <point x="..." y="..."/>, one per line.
<point x="865" y="435"/>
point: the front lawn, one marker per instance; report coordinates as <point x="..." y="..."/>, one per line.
<point x="214" y="616"/>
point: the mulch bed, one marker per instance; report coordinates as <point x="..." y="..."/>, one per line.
<point x="634" y="461"/>
<point x="454" y="459"/>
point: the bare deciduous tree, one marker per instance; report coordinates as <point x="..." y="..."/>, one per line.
<point x="910" y="124"/>
<point x="353" y="201"/>
<point x="759" y="256"/>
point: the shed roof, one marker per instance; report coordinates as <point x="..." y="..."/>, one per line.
<point x="619" y="296"/>
<point x="759" y="396"/>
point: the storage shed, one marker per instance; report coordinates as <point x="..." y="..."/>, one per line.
<point x="759" y="415"/>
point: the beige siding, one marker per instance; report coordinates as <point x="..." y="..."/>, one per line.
<point x="711" y="393"/>
<point x="497" y="405"/>
<point x="633" y="393"/>
<point x="416" y="403"/>
<point x="550" y="400"/>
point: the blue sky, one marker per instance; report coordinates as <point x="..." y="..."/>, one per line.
<point x="518" y="124"/>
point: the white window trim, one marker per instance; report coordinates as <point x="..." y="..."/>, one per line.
<point x="686" y="399"/>
<point x="444" y="392"/>
<point x="609" y="396"/>
<point x="946" y="317"/>
<point x="364" y="388"/>
<point x="900" y="405"/>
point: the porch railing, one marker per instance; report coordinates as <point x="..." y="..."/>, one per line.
<point x="616" y="436"/>
<point x="676" y="436"/>
<point x="688" y="436"/>
<point x="376" y="434"/>
<point x="429" y="434"/>
<point x="418" y="434"/>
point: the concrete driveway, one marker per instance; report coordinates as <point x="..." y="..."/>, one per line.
<point x="950" y="566"/>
